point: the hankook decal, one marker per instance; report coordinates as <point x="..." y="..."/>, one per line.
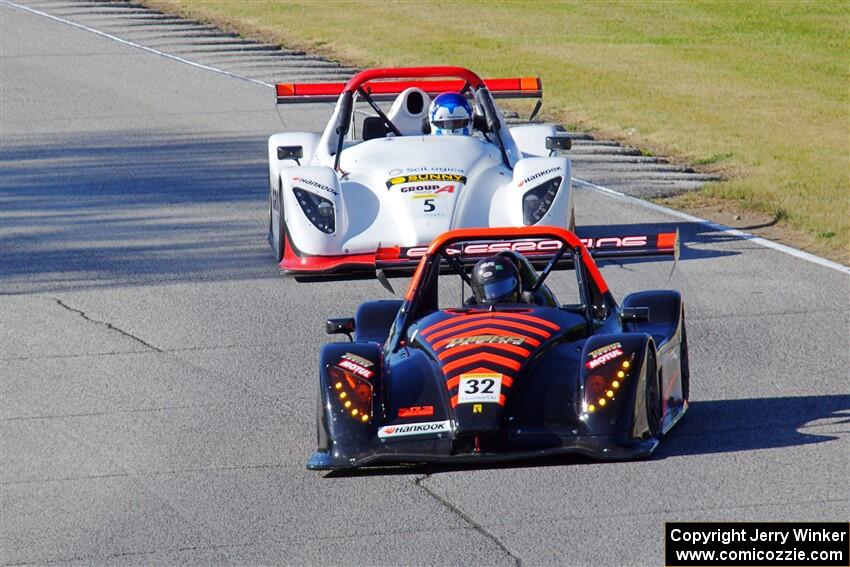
<point x="414" y="429"/>
<point x="316" y="184"/>
<point x="538" y="175"/>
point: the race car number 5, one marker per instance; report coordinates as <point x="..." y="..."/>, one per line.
<point x="479" y="388"/>
<point x="429" y="205"/>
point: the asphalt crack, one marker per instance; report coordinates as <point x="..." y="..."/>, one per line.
<point x="106" y="324"/>
<point x="419" y="482"/>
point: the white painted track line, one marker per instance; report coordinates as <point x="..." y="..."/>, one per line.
<point x="719" y="227"/>
<point x="134" y="44"/>
<point x="610" y="192"/>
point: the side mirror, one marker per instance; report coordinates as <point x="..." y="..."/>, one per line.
<point x="634" y="315"/>
<point x="290" y="152"/>
<point x="343" y="326"/>
<point x="558" y="143"/>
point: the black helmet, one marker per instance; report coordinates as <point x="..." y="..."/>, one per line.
<point x="495" y="280"/>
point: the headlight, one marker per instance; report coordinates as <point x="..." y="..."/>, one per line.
<point x="319" y="210"/>
<point x="353" y="393"/>
<point x="537" y="201"/>
<point x="604" y="384"/>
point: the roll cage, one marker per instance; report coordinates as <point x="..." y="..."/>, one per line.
<point x="557" y="247"/>
<point x="375" y="85"/>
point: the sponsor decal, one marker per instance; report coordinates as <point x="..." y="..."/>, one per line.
<point x="614" y="242"/>
<point x="538" y="175"/>
<point x="409" y="429"/>
<point x="487" y="249"/>
<point x="425" y="178"/>
<point x="416" y="411"/>
<point x="401" y="171"/>
<point x="355" y="368"/>
<point x="604" y="355"/>
<point x="479" y="387"/>
<point x="316" y="184"/>
<point x="433" y="189"/>
<point x="531" y="247"/>
<point x="485" y="339"/>
<point x="365" y="362"/>
<point x="477" y="408"/>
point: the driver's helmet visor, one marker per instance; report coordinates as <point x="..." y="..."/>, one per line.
<point x="493" y="291"/>
<point x="451" y="124"/>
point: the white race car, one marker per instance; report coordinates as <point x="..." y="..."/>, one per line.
<point x="376" y="187"/>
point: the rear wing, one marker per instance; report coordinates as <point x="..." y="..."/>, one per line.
<point x="541" y="250"/>
<point x="398" y="261"/>
<point x="519" y="87"/>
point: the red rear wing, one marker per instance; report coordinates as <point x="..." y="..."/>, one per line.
<point x="531" y="242"/>
<point x="518" y="87"/>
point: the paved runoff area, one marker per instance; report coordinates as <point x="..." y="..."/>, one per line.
<point x="158" y="376"/>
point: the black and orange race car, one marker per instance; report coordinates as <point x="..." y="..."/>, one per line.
<point x="436" y="377"/>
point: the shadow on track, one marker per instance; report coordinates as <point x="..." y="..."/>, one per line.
<point x="690" y="234"/>
<point x="130" y="208"/>
<point x="719" y="426"/>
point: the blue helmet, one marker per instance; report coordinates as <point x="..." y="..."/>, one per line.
<point x="450" y="113"/>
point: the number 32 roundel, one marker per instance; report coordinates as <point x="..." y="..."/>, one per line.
<point x="480" y="387"/>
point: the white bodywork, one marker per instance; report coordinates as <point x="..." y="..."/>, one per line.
<point x="405" y="190"/>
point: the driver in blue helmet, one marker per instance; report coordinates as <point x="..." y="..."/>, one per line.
<point x="450" y="115"/>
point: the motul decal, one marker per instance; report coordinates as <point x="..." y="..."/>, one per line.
<point x="424" y="178"/>
<point x="416" y="411"/>
<point x="365" y="362"/>
<point x="409" y="429"/>
<point x="604" y="355"/>
<point x="485" y="339"/>
<point x="355" y="368"/>
<point x="538" y="175"/>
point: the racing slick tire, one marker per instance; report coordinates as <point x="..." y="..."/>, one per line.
<point x="653" y="397"/>
<point x="684" y="363"/>
<point x="277" y="232"/>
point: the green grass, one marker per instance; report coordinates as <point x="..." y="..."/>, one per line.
<point x="757" y="91"/>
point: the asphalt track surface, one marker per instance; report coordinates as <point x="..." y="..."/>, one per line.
<point x="158" y="375"/>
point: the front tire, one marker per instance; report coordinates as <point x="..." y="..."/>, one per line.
<point x="684" y="362"/>
<point x="653" y="398"/>
<point x="277" y="234"/>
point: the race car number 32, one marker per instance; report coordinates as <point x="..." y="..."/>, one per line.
<point x="479" y="388"/>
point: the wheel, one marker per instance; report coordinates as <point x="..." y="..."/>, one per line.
<point x="653" y="397"/>
<point x="269" y="231"/>
<point x="684" y="363"/>
<point x="322" y="441"/>
<point x="277" y="234"/>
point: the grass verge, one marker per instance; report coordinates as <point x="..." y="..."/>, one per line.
<point x="755" y="91"/>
